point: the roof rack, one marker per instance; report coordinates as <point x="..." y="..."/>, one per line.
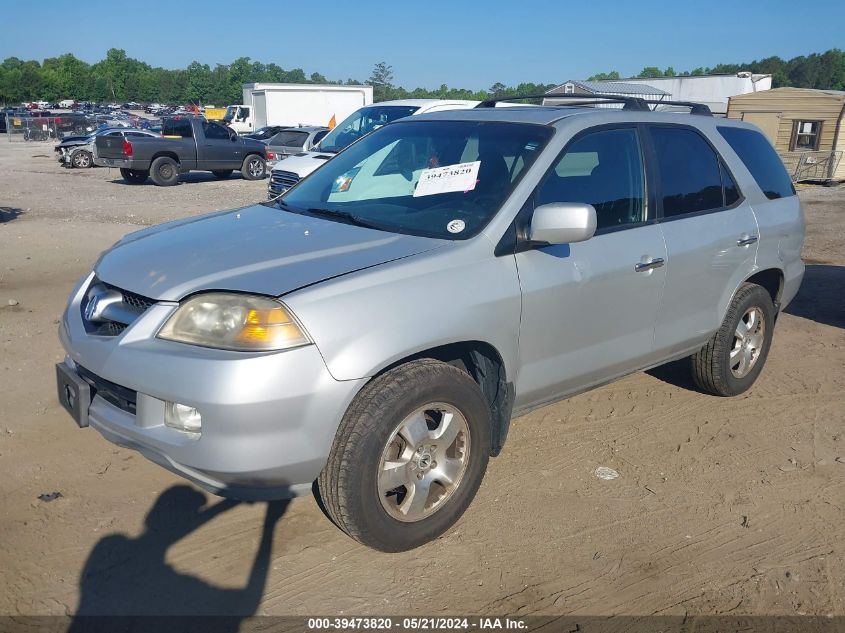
<point x="631" y="103"/>
<point x="694" y="108"/>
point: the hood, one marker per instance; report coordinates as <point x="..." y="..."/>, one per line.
<point x="304" y="163"/>
<point x="257" y="249"/>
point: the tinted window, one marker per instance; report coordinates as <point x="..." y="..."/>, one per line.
<point x="319" y="136"/>
<point x="443" y="179"/>
<point x="729" y="186"/>
<point x="288" y="139"/>
<point x="362" y="122"/>
<point x="603" y="169"/>
<point x="215" y="131"/>
<point x="760" y="158"/>
<point x="689" y="171"/>
<point x="177" y="127"/>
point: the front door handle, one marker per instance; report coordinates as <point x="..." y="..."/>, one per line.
<point x="642" y="267"/>
<point x="746" y="240"/>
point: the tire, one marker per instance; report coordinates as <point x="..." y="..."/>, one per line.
<point x="164" y="171"/>
<point x="349" y="486"/>
<point x="134" y="176"/>
<point x="82" y="159"/>
<point x="752" y="314"/>
<point x="222" y="174"/>
<point x="254" y="167"/>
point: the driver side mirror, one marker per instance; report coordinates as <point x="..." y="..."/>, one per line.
<point x="562" y="223"/>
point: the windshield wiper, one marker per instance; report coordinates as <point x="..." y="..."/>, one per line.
<point x="345" y="216"/>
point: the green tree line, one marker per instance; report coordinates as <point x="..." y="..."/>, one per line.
<point x="823" y="71"/>
<point x="122" y="78"/>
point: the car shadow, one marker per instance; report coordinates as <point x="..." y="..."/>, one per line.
<point x="191" y="178"/>
<point x="125" y="577"/>
<point x="822" y="295"/>
<point x="7" y="214"/>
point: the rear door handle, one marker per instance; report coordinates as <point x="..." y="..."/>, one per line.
<point x="746" y="240"/>
<point x="642" y="267"/>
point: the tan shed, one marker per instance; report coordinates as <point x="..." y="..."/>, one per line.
<point x="805" y="126"/>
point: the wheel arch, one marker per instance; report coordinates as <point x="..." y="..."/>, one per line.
<point x="484" y="364"/>
<point x="772" y="280"/>
<point x="165" y="153"/>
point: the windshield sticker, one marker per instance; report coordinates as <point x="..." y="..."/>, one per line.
<point x="456" y="226"/>
<point x="460" y="177"/>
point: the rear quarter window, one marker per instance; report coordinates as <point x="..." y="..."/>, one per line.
<point x="760" y="158"/>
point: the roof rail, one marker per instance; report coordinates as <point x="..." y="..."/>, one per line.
<point x="631" y="103"/>
<point x="694" y="108"/>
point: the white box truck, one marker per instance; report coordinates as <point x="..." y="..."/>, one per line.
<point x="294" y="104"/>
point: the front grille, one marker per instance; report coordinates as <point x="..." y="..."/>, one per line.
<point x="283" y="180"/>
<point x="121" y="397"/>
<point x="108" y="311"/>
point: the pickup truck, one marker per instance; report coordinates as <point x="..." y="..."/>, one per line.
<point x="186" y="144"/>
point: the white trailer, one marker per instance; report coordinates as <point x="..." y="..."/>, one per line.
<point x="295" y="104"/>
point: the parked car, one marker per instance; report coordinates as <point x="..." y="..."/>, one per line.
<point x="377" y="328"/>
<point x="293" y="141"/>
<point x="78" y="151"/>
<point x="187" y="144"/>
<point x="288" y="172"/>
<point x="266" y="132"/>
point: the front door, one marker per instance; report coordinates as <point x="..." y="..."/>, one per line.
<point x="219" y="151"/>
<point x="589" y="308"/>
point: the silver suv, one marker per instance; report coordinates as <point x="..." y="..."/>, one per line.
<point x="378" y="327"/>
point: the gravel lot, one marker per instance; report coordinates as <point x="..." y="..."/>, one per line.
<point x="722" y="505"/>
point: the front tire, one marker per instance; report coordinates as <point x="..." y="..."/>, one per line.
<point x="409" y="456"/>
<point x="81" y="159"/>
<point x="732" y="360"/>
<point x="164" y="171"/>
<point x="134" y="176"/>
<point x="254" y="167"/>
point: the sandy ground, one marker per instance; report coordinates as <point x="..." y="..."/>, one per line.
<point x="722" y="506"/>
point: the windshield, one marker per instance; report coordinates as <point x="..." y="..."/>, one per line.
<point x="230" y="113"/>
<point x="444" y="179"/>
<point x="362" y="122"/>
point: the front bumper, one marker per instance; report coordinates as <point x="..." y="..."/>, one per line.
<point x="268" y="420"/>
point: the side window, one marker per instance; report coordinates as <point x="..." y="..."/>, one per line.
<point x="604" y="169"/>
<point x="728" y="185"/>
<point x="760" y="158"/>
<point x="805" y="136"/>
<point x="215" y="131"/>
<point x="690" y="178"/>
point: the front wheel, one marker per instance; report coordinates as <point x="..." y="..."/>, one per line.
<point x="254" y="167"/>
<point x="81" y="159"/>
<point x="134" y="176"/>
<point x="408" y="457"/>
<point x="732" y="360"/>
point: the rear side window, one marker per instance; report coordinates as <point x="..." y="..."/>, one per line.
<point x="760" y="158"/>
<point x="289" y="139"/>
<point x="690" y="174"/>
<point x="177" y="127"/>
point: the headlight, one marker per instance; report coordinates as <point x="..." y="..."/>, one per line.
<point x="236" y="322"/>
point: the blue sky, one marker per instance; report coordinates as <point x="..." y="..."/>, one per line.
<point x="462" y="44"/>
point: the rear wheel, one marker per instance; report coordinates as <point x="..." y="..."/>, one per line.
<point x="164" y="171"/>
<point x="409" y="456"/>
<point x="254" y="167"/>
<point x="222" y="173"/>
<point x="731" y="361"/>
<point x="134" y="176"/>
<point x="81" y="159"/>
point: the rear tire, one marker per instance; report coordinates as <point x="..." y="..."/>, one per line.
<point x="732" y="360"/>
<point x="164" y="171"/>
<point x="134" y="176"/>
<point x="386" y="451"/>
<point x="82" y="159"/>
<point x="222" y="174"/>
<point x="254" y="167"/>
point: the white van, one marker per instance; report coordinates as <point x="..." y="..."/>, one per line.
<point x="286" y="173"/>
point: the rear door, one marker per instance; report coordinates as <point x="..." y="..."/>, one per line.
<point x="710" y="233"/>
<point x="218" y="151"/>
<point x="589" y="308"/>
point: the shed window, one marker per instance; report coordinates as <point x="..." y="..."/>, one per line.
<point x="805" y="135"/>
<point x="568" y="89"/>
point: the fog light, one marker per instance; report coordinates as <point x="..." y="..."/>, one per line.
<point x="182" y="417"/>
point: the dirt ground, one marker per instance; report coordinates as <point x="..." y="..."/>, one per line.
<point x="722" y="506"/>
